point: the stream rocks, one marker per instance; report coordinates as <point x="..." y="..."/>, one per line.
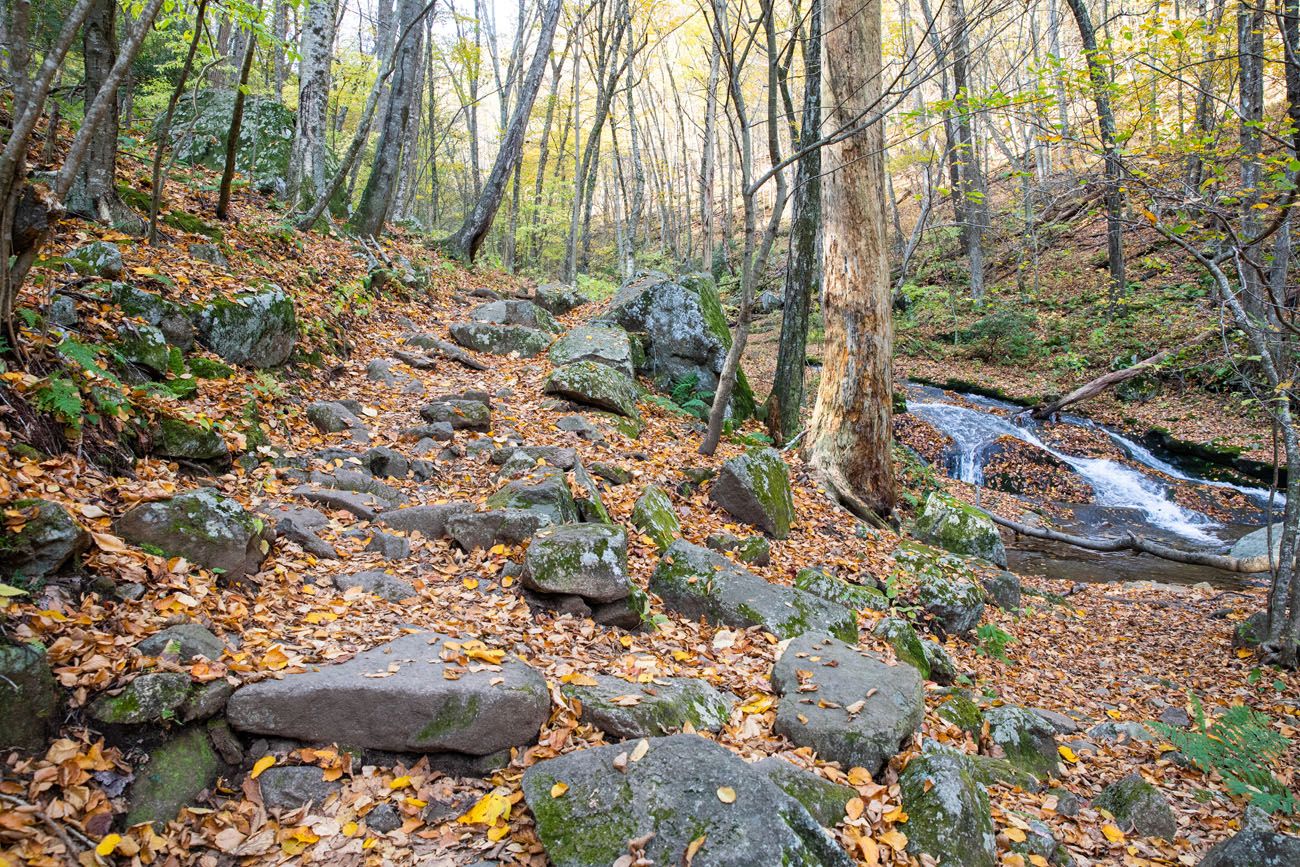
<point x="409" y="707"/>
<point x="961" y="529"/>
<point x="204" y="527"/>
<point x="844" y="703"/>
<point x="697" y="582"/>
<point x="755" y="488"/>
<point x="624" y="710"/>
<point x="461" y="414"/>
<point x="1025" y="738"/>
<point x="744" y="818"/>
<point x="1253" y="548"/>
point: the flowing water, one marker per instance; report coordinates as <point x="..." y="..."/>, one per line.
<point x="1136" y="496"/>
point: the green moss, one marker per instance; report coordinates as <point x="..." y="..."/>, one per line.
<point x="835" y="589"/>
<point x="957" y="708"/>
<point x="907" y="645"/>
<point x="176" y="773"/>
<point x="206" y="368"/>
<point x="653" y="515"/>
<point x="457" y="715"/>
<point x="568" y="831"/>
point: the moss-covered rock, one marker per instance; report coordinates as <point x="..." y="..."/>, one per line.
<point x="1002" y="588"/>
<point x="186" y="641"/>
<point x="754" y="550"/>
<point x="632" y="710"/>
<point x="906" y="643"/>
<point x="178" y="771"/>
<point x="256" y="329"/>
<point x="943" y="669"/>
<point x="544" y="491"/>
<point x="29" y="697"/>
<point x="948" y="815"/>
<point x="960" y="528"/>
<point x="144" y="347"/>
<point x="954" y="606"/>
<point x="593" y="384"/>
<point x="1138" y="807"/>
<point x="956" y="707"/>
<point x="516" y="312"/>
<point x="96" y="259"/>
<point x="1025" y="739"/>
<point x="828" y="586"/>
<point x="1254" y="847"/>
<point x="45" y="543"/>
<point x="587" y="560"/>
<point x="698" y="582"/>
<point x="825" y="801"/>
<point x="167" y="316"/>
<point x="187" y="440"/>
<point x="591" y="508"/>
<point x="149" y="698"/>
<point x="755" y="488"/>
<point x="459" y="413"/>
<point x="203" y="526"/>
<point x="500" y="339"/>
<point x="653" y="515"/>
<point x="603" y="344"/>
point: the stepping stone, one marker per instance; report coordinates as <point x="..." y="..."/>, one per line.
<point x="515" y="312"/>
<point x="697" y="582"/>
<point x="419" y="361"/>
<point x="389" y="547"/>
<point x="191" y="640"/>
<point x="846" y="704"/>
<point x="428" y="521"/>
<point x="607" y="345"/>
<point x="445" y="349"/>
<point x="1139" y="808"/>
<point x="397" y="697"/>
<point x="383" y="462"/>
<point x="596" y="385"/>
<point x="624" y="710"/>
<point x="755" y="488"/>
<point x="1025" y="738"/>
<point x="357" y="481"/>
<point x="288" y="788"/>
<point x="500" y="339"/>
<point x="585" y="430"/>
<point x="302" y="525"/>
<point x="587" y="560"/>
<point x="460" y="414"/>
<point x="558" y="298"/>
<point x="204" y="527"/>
<point x="380" y="584"/>
<point x="334" y="417"/>
<point x="680" y="791"/>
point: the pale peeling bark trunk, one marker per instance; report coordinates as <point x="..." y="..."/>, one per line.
<point x="308" y="179"/>
<point x="466" y="242"/>
<point x="849" y="435"/>
<point x="377" y="197"/>
<point x="93" y="194"/>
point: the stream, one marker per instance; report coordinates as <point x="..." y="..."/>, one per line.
<point x="1136" y="494"/>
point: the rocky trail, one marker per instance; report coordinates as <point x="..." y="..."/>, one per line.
<point x="478" y="600"/>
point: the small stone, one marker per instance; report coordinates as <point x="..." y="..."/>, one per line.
<point x="1138" y="807"/>
<point x="288" y="788"/>
<point x="1175" y="717"/>
<point x="460" y="414"/>
<point x="29" y="697"/>
<point x="187" y="640"/>
<point x="178" y="771"/>
<point x="389" y="547"/>
<point x="381" y="584"/>
<point x="149" y="698"/>
<point x="203" y="526"/>
<point x="48" y="541"/>
<point x="587" y="560"/>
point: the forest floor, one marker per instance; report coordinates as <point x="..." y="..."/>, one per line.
<point x="1096" y="653"/>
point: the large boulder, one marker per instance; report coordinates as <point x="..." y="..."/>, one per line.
<point x="653" y="515"/>
<point x="603" y="344"/>
<point x="183" y="439"/>
<point x="544" y="491"/>
<point x="167" y="316"/>
<point x="256" y="329"/>
<point x="558" y="298"/>
<point x="475" y="530"/>
<point x="593" y="384"/>
<point x="1138" y="807"/>
<point x="697" y="582"/>
<point x="948" y="815"/>
<point x="954" y="606"/>
<point x="755" y="488"/>
<point x="29" y="697"/>
<point x="500" y="339"/>
<point x="1025" y="738"/>
<point x="645" y="710"/>
<point x="905" y="642"/>
<point x="178" y="771"/>
<point x="587" y="560"/>
<point x="1253" y="548"/>
<point x="1254" y="847"/>
<point x="683" y="789"/>
<point x="828" y="586"/>
<point x="684" y="332"/>
<point x="42" y="543"/>
<point x="960" y="528"/>
<point x="845" y="703"/>
<point x="514" y="312"/>
<point x="204" y="527"/>
<point x="411" y="707"/>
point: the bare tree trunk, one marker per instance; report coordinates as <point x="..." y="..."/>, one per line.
<point x="466" y="242"/>
<point x="164" y="128"/>
<point x="236" y="127"/>
<point x="543" y="154"/>
<point x="974" y="206"/>
<point x="804" y="271"/>
<point x="307" y="174"/>
<point x="280" y="60"/>
<point x="707" y="159"/>
<point x="1250" y="113"/>
<point x="850" y="432"/>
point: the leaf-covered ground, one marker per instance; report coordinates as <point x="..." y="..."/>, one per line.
<point x="1097" y="653"/>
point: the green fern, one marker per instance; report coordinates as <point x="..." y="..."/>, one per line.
<point x="1240" y="746"/>
<point x="60" y="397"/>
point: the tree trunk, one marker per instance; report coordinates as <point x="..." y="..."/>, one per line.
<point x="307" y="174"/>
<point x="377" y="197"/>
<point x="465" y="243"/>
<point x="850" y="432"/>
<point x="164" y="127"/>
<point x="804" y="271"/>
<point x="94" y="195"/>
<point x="280" y="60"/>
<point x="236" y="127"/>
<point x="707" y="159"/>
<point x="1250" y="112"/>
<point x="974" y="206"/>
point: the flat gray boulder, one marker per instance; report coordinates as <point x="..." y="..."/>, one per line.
<point x="302" y="525"/>
<point x="1254" y="847"/>
<point x="845" y="703"/>
<point x="428" y="521"/>
<point x="755" y="488"/>
<point x="544" y="491"/>
<point x="604" y="344"/>
<point x="587" y="560"/>
<point x="623" y="710"/>
<point x="396" y="697"/>
<point x="380" y="584"/>
<point x="1254" y="549"/>
<point x="204" y="527"/>
<point x="475" y="530"/>
<point x="593" y="384"/>
<point x="500" y="339"/>
<point x="682" y="789"/>
<point x="697" y="582"/>
<point x="515" y="312"/>
<point x="558" y="298"/>
<point x="333" y="417"/>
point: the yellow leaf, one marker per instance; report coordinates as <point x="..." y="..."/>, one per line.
<point x="108" y="542"/>
<point x="1114" y="714"/>
<point x="261" y="765"/>
<point x="470" y="583"/>
<point x="638" y="752"/>
<point x="490" y="808"/>
<point x="1243" y="652"/>
<point x="497" y="549"/>
<point x="496" y="832"/>
<point x="480" y="651"/>
<point x="274" y="659"/>
<point x="107" y="845"/>
<point x="415" y="802"/>
<point x="757" y="704"/>
<point x="853" y="809"/>
<point x="869" y="850"/>
<point x="1113" y="833"/>
<point x="579" y="679"/>
<point x="859" y="776"/>
<point x="895" y="816"/>
<point x="304" y="835"/>
<point x="894" y="839"/>
<point x="400" y="783"/>
<point x="1015" y="835"/>
<point x="349" y="828"/>
<point x="727" y="795"/>
<point x="1067" y="754"/>
<point x="694" y="847"/>
<point x="370" y="842"/>
<point x="1013" y="860"/>
<point x="558" y="790"/>
<point x="1038" y="861"/>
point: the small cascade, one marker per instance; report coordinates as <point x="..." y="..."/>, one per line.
<point x="1114" y="484"/>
